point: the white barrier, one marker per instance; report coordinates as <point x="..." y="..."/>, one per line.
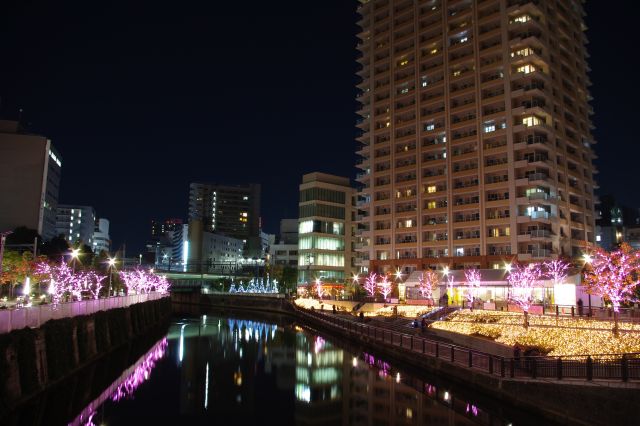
<point x="35" y="316"/>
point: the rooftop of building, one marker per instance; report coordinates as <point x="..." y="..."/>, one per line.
<point x="325" y="178"/>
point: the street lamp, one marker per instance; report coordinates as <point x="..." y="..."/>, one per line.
<point x="3" y="239"/>
<point x="74" y="257"/>
<point x="140" y="261"/>
<point x="112" y="262"/>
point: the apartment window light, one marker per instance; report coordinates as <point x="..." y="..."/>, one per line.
<point x="433" y="51"/>
<point x="489" y="127"/>
<point x="430" y="127"/>
<point x="431" y="189"/>
<point x="526" y="69"/>
<point x="521" y="19"/>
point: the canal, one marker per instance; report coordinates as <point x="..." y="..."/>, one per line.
<point x="229" y="370"/>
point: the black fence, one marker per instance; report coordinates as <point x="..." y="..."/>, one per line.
<point x="622" y="367"/>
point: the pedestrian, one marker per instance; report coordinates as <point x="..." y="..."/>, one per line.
<point x="423" y="324"/>
<point x="334" y="308"/>
<point x="516" y="355"/>
<point x="446" y="299"/>
<point x="580" y="303"/>
<point x="361" y="317"/>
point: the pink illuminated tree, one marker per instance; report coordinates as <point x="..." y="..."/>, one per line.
<point x="557" y="270"/>
<point x="473" y="279"/>
<point x="140" y="281"/>
<point x="614" y="276"/>
<point x="371" y="284"/>
<point x="427" y="283"/>
<point x="386" y="287"/>
<point x="59" y="277"/>
<point x="522" y="280"/>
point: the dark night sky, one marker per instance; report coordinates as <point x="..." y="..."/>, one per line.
<point x="143" y="99"/>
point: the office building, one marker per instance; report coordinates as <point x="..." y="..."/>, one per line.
<point x="476" y="144"/>
<point x="231" y="210"/>
<point x="30" y="169"/>
<point x="101" y="239"/>
<point x="160" y="228"/>
<point x="288" y="231"/>
<point x="326" y="228"/>
<point x="76" y="224"/>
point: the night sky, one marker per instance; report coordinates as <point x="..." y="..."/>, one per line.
<point x="143" y="97"/>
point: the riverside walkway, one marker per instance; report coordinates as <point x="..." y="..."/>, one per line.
<point x="401" y="336"/>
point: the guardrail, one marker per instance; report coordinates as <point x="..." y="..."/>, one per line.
<point x="622" y="367"/>
<point x="35" y="316"/>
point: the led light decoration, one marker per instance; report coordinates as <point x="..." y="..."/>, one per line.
<point x="140" y="281"/>
<point x="614" y="276"/>
<point x="522" y="280"/>
<point x="386" y="287"/>
<point x="427" y="282"/>
<point x="472" y="276"/>
<point x="370" y="284"/>
<point x="256" y="286"/>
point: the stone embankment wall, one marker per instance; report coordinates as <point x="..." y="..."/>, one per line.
<point x="33" y="359"/>
<point x="234" y="302"/>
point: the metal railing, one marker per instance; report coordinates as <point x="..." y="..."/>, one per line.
<point x="622" y="367"/>
<point x="35" y="316"/>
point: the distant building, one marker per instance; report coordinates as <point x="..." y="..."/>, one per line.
<point x="326" y="228"/>
<point x="267" y="240"/>
<point x="76" y="223"/>
<point x="160" y="228"/>
<point x="101" y="239"/>
<point x="616" y="224"/>
<point x="288" y="231"/>
<point x="284" y="255"/>
<point x="231" y="210"/>
<point x="211" y="252"/>
<point x="30" y="169"/>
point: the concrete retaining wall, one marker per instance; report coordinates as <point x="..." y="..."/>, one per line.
<point x="33" y="359"/>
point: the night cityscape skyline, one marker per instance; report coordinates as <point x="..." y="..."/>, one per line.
<point x="182" y="106"/>
<point x="344" y="212"/>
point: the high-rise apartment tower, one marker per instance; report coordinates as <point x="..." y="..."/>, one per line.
<point x="231" y="210"/>
<point x="476" y="133"/>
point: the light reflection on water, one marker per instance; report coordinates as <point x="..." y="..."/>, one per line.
<point x="234" y="370"/>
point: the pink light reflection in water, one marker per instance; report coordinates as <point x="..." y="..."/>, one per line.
<point x="141" y="373"/>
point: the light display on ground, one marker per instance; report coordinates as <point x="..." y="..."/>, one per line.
<point x="256" y="286"/>
<point x="551" y="335"/>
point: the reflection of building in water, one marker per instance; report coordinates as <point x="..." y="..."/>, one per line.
<point x="224" y="364"/>
<point x="319" y="373"/>
<point x="375" y="396"/>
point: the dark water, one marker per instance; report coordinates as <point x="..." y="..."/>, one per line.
<point x="229" y="371"/>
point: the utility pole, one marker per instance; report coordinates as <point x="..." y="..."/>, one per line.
<point x="3" y="238"/>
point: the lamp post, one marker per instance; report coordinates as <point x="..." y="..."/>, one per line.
<point x="74" y="257"/>
<point x="112" y="262"/>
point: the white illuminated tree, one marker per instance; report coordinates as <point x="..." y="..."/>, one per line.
<point x="386" y="287"/>
<point x="371" y="284"/>
<point x="427" y="283"/>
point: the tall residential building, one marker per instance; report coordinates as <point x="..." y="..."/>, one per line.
<point x="30" y="170"/>
<point x="476" y="132"/>
<point x="76" y="223"/>
<point x="101" y="239"/>
<point x="232" y="210"/>
<point x="326" y="228"/>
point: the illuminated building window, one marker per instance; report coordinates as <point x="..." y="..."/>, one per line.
<point x="431" y="189"/>
<point x="532" y="121"/>
<point x="521" y="19"/>
<point x="431" y="205"/>
<point x="526" y="69"/>
<point x="403" y="62"/>
<point x="433" y="51"/>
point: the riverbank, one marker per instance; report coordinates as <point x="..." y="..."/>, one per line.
<point x="559" y="402"/>
<point x="33" y="360"/>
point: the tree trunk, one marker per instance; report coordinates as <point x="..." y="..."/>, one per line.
<point x="526" y="319"/>
<point x="615" y="323"/>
